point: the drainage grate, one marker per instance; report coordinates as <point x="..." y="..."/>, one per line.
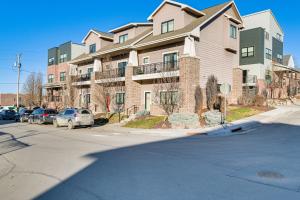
<point x="270" y="174"/>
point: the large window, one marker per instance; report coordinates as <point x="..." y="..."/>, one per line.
<point x="279" y="58"/>
<point x="50" y="78"/>
<point x="51" y="61"/>
<point x="121" y="68"/>
<point x="63" y="58"/>
<point x="62" y="76"/>
<point x="247" y="52"/>
<point x="233" y="31"/>
<point x="268" y="54"/>
<point x="92" y="48"/>
<point x="170" y="60"/>
<point x="169" y="97"/>
<point x="120" y="98"/>
<point x="167" y="26"/>
<point x="279" y="36"/>
<point x="90" y="71"/>
<point x="123" y="38"/>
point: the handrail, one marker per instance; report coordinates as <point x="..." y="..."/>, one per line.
<point x="156" y="68"/>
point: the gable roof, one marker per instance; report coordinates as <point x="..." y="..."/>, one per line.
<point x="100" y="34"/>
<point x="209" y="14"/>
<point x="181" y="5"/>
<point x="130" y="25"/>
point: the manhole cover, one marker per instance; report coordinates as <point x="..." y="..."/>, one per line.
<point x="270" y="174"/>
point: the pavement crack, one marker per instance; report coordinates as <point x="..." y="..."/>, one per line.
<point x="12" y="167"/>
<point x="39" y="173"/>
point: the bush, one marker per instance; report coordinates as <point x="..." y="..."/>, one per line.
<point x="211" y="91"/>
<point x="259" y="100"/>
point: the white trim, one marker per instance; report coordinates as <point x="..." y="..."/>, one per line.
<point x="181" y="5"/>
<point x="147" y="91"/>
<point x="98" y="34"/>
<point x="169" y="52"/>
<point x="127" y="26"/>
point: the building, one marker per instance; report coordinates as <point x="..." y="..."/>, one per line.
<point x="132" y="68"/>
<point x="57" y="72"/>
<point x="10" y="99"/>
<point x="265" y="68"/>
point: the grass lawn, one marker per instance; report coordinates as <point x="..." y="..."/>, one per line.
<point x="238" y="112"/>
<point x="146" y="122"/>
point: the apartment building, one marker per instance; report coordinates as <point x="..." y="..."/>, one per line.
<point x="261" y="45"/>
<point x="9" y="99"/>
<point x="57" y="72"/>
<point x="178" y="42"/>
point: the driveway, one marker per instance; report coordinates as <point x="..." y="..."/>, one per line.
<point x="49" y="163"/>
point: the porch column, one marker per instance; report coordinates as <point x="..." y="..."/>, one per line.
<point x="97" y="65"/>
<point x="189" y="47"/>
<point x="133" y="58"/>
<point x="189" y="79"/>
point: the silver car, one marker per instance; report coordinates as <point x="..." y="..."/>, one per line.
<point x="72" y="117"/>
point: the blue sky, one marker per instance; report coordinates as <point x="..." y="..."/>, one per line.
<point x="31" y="27"/>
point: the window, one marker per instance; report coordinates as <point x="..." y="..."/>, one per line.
<point x="279" y="58"/>
<point x="90" y="71"/>
<point x="51" y="61"/>
<point x="120" y="98"/>
<point x="268" y="54"/>
<point x="62" y="76"/>
<point x="279" y="36"/>
<point x="170" y="60"/>
<point x="146" y="60"/>
<point x="121" y="68"/>
<point x="245" y="75"/>
<point x="123" y="38"/>
<point x="87" y="98"/>
<point x="267" y="35"/>
<point x="50" y="78"/>
<point x="63" y="58"/>
<point x="167" y="26"/>
<point x="169" y="98"/>
<point x="247" y="52"/>
<point x="92" y="48"/>
<point x="69" y="112"/>
<point x="233" y="31"/>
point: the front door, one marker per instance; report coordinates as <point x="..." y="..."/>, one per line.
<point x="147" y="101"/>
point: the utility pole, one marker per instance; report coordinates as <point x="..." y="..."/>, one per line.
<point x="18" y="65"/>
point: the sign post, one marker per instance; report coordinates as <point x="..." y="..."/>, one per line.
<point x="225" y="90"/>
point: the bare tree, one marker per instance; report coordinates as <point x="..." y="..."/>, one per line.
<point x="167" y="93"/>
<point x="70" y="93"/>
<point x="211" y="91"/>
<point x="198" y="100"/>
<point x="33" y="90"/>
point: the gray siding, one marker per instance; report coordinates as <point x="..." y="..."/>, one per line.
<point x="277" y="49"/>
<point x="65" y="49"/>
<point x="53" y="53"/>
<point x="253" y="37"/>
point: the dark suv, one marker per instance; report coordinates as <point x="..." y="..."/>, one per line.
<point x="23" y="115"/>
<point x="7" y="114"/>
<point x="42" y="116"/>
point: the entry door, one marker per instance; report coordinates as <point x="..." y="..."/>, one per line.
<point x="147" y="101"/>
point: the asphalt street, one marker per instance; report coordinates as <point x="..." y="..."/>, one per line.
<point x="41" y="162"/>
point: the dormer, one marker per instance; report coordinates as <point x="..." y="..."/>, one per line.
<point x="170" y="16"/>
<point x="129" y="31"/>
<point x="95" y="40"/>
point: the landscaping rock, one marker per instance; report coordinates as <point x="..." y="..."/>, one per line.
<point x="213" y="118"/>
<point x="184" y="120"/>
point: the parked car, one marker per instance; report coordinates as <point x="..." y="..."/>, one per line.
<point x="42" y="116"/>
<point x="23" y="115"/>
<point x="7" y="115"/>
<point x="72" y="117"/>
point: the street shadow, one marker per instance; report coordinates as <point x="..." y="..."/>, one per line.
<point x="8" y="143"/>
<point x="194" y="167"/>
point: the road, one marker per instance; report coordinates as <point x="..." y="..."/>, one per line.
<point x="41" y="162"/>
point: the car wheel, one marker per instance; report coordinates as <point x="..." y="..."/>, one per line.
<point x="70" y="125"/>
<point x="55" y="124"/>
<point x="29" y="121"/>
<point x="21" y="120"/>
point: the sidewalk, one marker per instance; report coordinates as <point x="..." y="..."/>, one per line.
<point x="220" y="130"/>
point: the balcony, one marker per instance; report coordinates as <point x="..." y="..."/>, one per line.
<point x="83" y="79"/>
<point x="156" y="70"/>
<point x="112" y="75"/>
<point x="249" y="80"/>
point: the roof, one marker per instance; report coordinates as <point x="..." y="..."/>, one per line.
<point x="264" y="11"/>
<point x="181" y="5"/>
<point x="82" y="57"/>
<point x="286" y="59"/>
<point x="100" y="34"/>
<point x="209" y="13"/>
<point x="130" y="25"/>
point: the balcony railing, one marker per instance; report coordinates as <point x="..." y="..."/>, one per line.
<point x="113" y="73"/>
<point x="156" y="68"/>
<point x="249" y="79"/>
<point x="82" y="78"/>
<point x="54" y="99"/>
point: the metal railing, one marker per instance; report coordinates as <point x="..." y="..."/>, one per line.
<point x="113" y="73"/>
<point x="249" y="79"/>
<point x="131" y="110"/>
<point x="82" y="77"/>
<point x="156" y="68"/>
